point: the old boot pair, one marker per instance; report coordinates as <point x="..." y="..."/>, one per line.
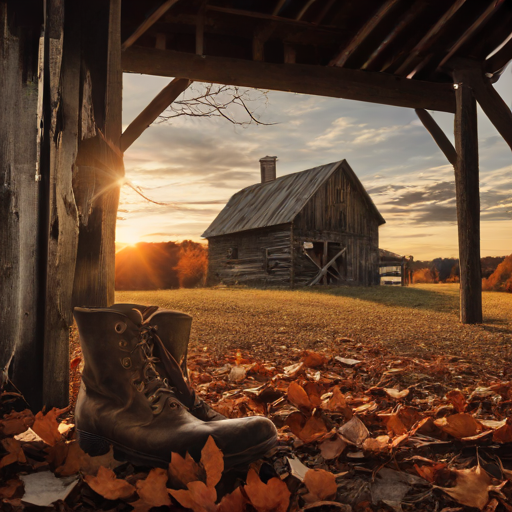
<point x="135" y="396"/>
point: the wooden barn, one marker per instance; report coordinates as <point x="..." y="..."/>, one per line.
<point x="317" y="226"/>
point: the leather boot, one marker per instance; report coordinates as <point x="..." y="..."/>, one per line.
<point x="173" y="328"/>
<point x="124" y="402"/>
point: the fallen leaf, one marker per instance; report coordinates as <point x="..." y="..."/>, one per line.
<point x="16" y="422"/>
<point x="199" y="497"/>
<point x="395" y="393"/>
<point x="321" y="484"/>
<point x="47" y="427"/>
<point x="379" y="444"/>
<point x="106" y="460"/>
<point x="107" y="485"/>
<point x="332" y="448"/>
<point x="503" y="434"/>
<point x="459" y="425"/>
<point x="273" y="496"/>
<point x="471" y="487"/>
<point x="234" y="502"/>
<point x="347" y="361"/>
<point x="457" y="399"/>
<point x="75" y="362"/>
<point x="44" y="488"/>
<point x="354" y="431"/>
<point x="293" y="370"/>
<point x="313" y="391"/>
<point x="75" y="460"/>
<point x="10" y="489"/>
<point x="237" y="374"/>
<point x="212" y="460"/>
<point x="313" y="359"/>
<point x="185" y="470"/>
<point x="14" y="452"/>
<point x="338" y="403"/>
<point x="313" y="429"/>
<point x="297" y="469"/>
<point x="153" y="489"/>
<point x="297" y="396"/>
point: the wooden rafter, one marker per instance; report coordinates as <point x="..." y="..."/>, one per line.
<point x="438" y="135"/>
<point x="479" y="22"/>
<point x="148" y="23"/>
<point x="303" y="11"/>
<point x="342" y="57"/>
<point x="499" y="59"/>
<point x="161" y="101"/>
<point x="324" y="11"/>
<point x="324" y="81"/>
<point x="278" y="7"/>
<point x="404" y="22"/>
<point x="429" y="38"/>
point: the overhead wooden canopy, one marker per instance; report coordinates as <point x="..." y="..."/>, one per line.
<point x="394" y="52"/>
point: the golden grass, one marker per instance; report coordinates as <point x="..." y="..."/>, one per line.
<point x="420" y="320"/>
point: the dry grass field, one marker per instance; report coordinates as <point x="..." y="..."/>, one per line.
<point x="420" y="320"/>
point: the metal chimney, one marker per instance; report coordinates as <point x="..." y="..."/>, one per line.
<point x="268" y="168"/>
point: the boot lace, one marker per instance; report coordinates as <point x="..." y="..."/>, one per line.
<point x="157" y="390"/>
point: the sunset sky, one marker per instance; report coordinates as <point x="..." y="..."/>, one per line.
<point x="194" y="165"/>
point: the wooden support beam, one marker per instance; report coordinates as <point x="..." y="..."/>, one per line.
<point x="471" y="31"/>
<point x="319" y="80"/>
<point x="341" y="58"/>
<point x="290" y="54"/>
<point x="148" y="23"/>
<point x="278" y="7"/>
<point x="488" y="98"/>
<point x="303" y="11"/>
<point x="429" y="38"/>
<point x="200" y="30"/>
<point x="161" y="101"/>
<point x="438" y="135"/>
<point x="324" y="11"/>
<point x="468" y="201"/>
<point x="500" y="59"/>
<point x="404" y="22"/>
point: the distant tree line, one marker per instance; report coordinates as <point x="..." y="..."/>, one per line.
<point x="154" y="266"/>
<point x="496" y="271"/>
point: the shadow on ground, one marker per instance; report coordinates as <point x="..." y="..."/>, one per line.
<point x="445" y="300"/>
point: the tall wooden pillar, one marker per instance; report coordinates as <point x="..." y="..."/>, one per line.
<point x="468" y="201"/>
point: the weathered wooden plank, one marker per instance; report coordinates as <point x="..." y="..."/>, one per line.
<point x="438" y="135"/>
<point x="468" y="202"/>
<point x="63" y="84"/>
<point x="161" y="101"/>
<point x="500" y="59"/>
<point x="324" y="81"/>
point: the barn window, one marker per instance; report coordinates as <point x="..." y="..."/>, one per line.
<point x="233" y="253"/>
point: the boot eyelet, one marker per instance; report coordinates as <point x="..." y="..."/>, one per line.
<point x="173" y="405"/>
<point x="123" y="343"/>
<point x="126" y="362"/>
<point x="120" y="327"/>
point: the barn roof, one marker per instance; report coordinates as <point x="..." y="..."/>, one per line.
<point x="279" y="201"/>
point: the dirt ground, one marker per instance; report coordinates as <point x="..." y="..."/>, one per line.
<point x="421" y="320"/>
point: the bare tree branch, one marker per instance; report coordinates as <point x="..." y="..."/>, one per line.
<point x="213" y="100"/>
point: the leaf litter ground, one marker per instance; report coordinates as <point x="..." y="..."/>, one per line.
<point x="383" y="401"/>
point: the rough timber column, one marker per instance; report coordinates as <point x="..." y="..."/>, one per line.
<point x="468" y="201"/>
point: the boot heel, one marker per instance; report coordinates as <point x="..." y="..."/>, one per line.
<point x="92" y="444"/>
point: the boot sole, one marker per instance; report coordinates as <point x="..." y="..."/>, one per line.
<point x="95" y="445"/>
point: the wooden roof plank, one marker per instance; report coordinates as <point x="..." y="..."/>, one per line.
<point x="334" y="82"/>
<point x="148" y="23"/>
<point x="341" y="58"/>
<point x="501" y="58"/>
<point x="429" y="37"/>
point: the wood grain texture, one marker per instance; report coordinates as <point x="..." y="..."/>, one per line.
<point x="323" y="81"/>
<point x="468" y="202"/>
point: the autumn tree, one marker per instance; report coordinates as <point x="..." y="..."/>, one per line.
<point x="192" y="265"/>
<point x="501" y="278"/>
<point x="425" y="275"/>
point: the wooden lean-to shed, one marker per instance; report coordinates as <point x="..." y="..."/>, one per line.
<point x="317" y="226"/>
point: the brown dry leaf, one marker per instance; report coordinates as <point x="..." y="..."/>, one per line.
<point x="16" y="422"/>
<point x="429" y="472"/>
<point x="313" y="359"/>
<point x="47" y="427"/>
<point x="293" y="370"/>
<point x="457" y="399"/>
<point x="471" y="487"/>
<point x="107" y="485"/>
<point x="459" y="425"/>
<point x="332" y="448"/>
<point x="185" y="470"/>
<point x="234" y="502"/>
<point x="14" y="452"/>
<point x="198" y="497"/>
<point x="212" y="460"/>
<point x="395" y="426"/>
<point x="321" y="484"/>
<point x="354" y="431"/>
<point x="503" y="434"/>
<point x="106" y="460"/>
<point x="314" y="393"/>
<point x="297" y="396"/>
<point x="313" y="429"/>
<point x="153" y="490"/>
<point x="273" y="496"/>
<point x="395" y="393"/>
<point x="9" y="490"/>
<point x="338" y="403"/>
<point x="74" y="459"/>
<point x="379" y="444"/>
